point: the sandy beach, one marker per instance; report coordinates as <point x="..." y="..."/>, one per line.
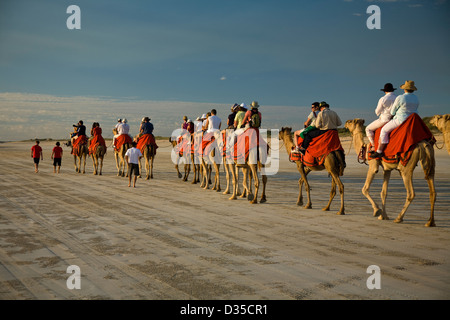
<point x="171" y="240"/>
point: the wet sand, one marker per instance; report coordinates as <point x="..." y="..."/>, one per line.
<point x="171" y="240"/>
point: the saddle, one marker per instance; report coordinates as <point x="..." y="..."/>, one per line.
<point x="78" y="143"/>
<point x="318" y="149"/>
<point x="403" y="140"/>
<point x="146" y="140"/>
<point x="121" y="140"/>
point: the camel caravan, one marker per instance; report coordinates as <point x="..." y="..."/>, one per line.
<point x="397" y="140"/>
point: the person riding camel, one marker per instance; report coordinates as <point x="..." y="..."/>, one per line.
<point x="309" y="124"/>
<point x="239" y="118"/>
<point x="231" y="116"/>
<point x="96" y="137"/>
<point x="404" y="105"/>
<point x="79" y="132"/>
<point x="326" y="120"/>
<point x="252" y="117"/>
<point x="383" y="111"/>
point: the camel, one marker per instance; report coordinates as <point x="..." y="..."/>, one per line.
<point x="83" y="152"/>
<point x="149" y="155"/>
<point x="187" y="166"/>
<point x="97" y="159"/>
<point x="250" y="172"/>
<point x="422" y="152"/>
<point x="443" y="125"/>
<point x="207" y="162"/>
<point x="333" y="164"/>
<point x="119" y="156"/>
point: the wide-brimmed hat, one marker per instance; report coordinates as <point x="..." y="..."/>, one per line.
<point x="204" y="116"/>
<point x="125" y="120"/>
<point x="255" y="104"/>
<point x="408" y="85"/>
<point x="324" y="104"/>
<point x="146" y="119"/>
<point x="388" y="87"/>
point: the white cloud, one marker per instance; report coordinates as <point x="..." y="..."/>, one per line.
<point x="223" y="78"/>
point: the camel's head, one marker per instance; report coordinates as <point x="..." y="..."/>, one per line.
<point x="285" y="131"/>
<point x="441" y="122"/>
<point x="351" y="125"/>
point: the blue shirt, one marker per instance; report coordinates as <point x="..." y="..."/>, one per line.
<point x="147" y="128"/>
<point x="404" y="105"/>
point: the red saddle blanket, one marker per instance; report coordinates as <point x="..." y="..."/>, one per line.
<point x="318" y="149"/>
<point x="96" y="141"/>
<point x="184" y="144"/>
<point x="245" y="142"/>
<point x="120" y="140"/>
<point x="403" y="139"/>
<point x="80" y="141"/>
<point x="145" y="140"/>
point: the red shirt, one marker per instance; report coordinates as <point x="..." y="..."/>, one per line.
<point x="36" y="151"/>
<point x="57" y="152"/>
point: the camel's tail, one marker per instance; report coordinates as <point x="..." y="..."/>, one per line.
<point x="427" y="159"/>
<point x="340" y="157"/>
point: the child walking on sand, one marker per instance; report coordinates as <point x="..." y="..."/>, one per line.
<point x="36" y="154"/>
<point x="57" y="156"/>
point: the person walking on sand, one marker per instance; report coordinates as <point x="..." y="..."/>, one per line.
<point x="132" y="156"/>
<point x="36" y="154"/>
<point x="57" y="153"/>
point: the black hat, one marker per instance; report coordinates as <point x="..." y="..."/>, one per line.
<point x="388" y="87"/>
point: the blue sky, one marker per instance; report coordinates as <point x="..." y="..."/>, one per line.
<point x="284" y="54"/>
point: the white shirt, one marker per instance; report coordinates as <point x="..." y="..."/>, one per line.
<point x="383" y="110"/>
<point x="214" y="123"/>
<point x="404" y="105"/>
<point x="124" y="128"/>
<point x="198" y="126"/>
<point x="133" y="155"/>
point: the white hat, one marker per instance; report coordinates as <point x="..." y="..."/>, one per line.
<point x="119" y="119"/>
<point x="124" y="120"/>
<point x="189" y="120"/>
<point x="204" y="116"/>
<point x="143" y="119"/>
<point x="243" y="105"/>
<point x="198" y="119"/>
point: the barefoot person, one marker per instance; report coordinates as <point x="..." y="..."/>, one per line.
<point x="36" y="154"/>
<point x="132" y="156"/>
<point x="57" y="153"/>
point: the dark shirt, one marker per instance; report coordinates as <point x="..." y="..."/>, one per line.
<point x="147" y="128"/>
<point x="81" y="130"/>
<point x="231" y="117"/>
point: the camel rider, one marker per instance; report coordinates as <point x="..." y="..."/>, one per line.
<point x="326" y="120"/>
<point x="80" y="130"/>
<point x="252" y="117"/>
<point x="404" y="105"/>
<point x="146" y="126"/>
<point x="239" y="118"/>
<point x="309" y="123"/>
<point x="231" y="116"/>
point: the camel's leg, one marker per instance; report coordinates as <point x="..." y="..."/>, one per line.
<point x="84" y="163"/>
<point x="147" y="168"/>
<point x="332" y="194"/>
<point x="264" y="182"/>
<point x="217" y="177"/>
<point x="101" y="165"/>
<point x="116" y="157"/>
<point x="410" y="194"/>
<point x="384" y="192"/>
<point x="94" y="164"/>
<point x="254" y="172"/>
<point x="227" y="175"/>
<point x="373" y="168"/>
<point x="244" y="182"/>
<point x="75" y="163"/>
<point x="430" y="181"/>
<point x="300" y="196"/>
<point x="338" y="182"/>
<point x="235" y="181"/>
<point x="307" y="188"/>
<point x="151" y="166"/>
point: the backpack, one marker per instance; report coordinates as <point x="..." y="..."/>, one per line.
<point x="255" y="121"/>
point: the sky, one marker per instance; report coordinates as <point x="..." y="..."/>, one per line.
<point x="166" y="59"/>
